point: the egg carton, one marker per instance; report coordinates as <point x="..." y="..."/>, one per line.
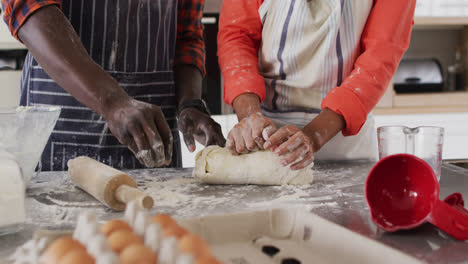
<point x="272" y="236"/>
<point x="87" y="232"/>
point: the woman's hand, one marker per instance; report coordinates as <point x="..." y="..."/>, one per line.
<point x="250" y="134"/>
<point x="296" y="147"/>
<point x="293" y="146"/>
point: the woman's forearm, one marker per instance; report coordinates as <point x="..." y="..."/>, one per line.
<point x="246" y="104"/>
<point x="324" y="127"/>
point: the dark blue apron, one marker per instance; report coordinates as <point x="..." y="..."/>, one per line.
<point x="134" y="41"/>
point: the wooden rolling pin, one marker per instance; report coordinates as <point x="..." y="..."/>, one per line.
<point x="110" y="186"/>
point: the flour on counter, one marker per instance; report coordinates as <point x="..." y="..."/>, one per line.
<point x="171" y="192"/>
<point x="292" y="194"/>
<point x="188" y="193"/>
<point x="53" y="200"/>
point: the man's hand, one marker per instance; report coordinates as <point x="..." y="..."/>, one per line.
<point x="293" y="146"/>
<point x="196" y="125"/>
<point x="250" y="134"/>
<point x="144" y="129"/>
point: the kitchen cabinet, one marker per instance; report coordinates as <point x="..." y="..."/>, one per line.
<point x="9" y="88"/>
<point x="8" y="42"/>
<point x="439" y="37"/>
<point x="9" y="79"/>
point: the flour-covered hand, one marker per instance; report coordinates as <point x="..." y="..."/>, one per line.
<point x="196" y="125"/>
<point x="293" y="146"/>
<point x="143" y="128"/>
<point x="250" y="134"/>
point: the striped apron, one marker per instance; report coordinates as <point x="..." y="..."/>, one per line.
<point x="134" y="41"/>
<point x="308" y="48"/>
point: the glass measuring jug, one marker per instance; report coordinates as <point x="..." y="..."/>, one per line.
<point x="424" y="142"/>
<point x="24" y="132"/>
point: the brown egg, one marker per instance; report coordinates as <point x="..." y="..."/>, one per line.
<point x="194" y="245"/>
<point x="208" y="260"/>
<point x="59" y="248"/>
<point x="121" y="239"/>
<point x="138" y="254"/>
<point x="164" y="220"/>
<point x="77" y="256"/>
<point x="175" y="231"/>
<point x="114" y="225"/>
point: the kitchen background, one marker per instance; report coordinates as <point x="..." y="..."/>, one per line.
<point x="429" y="88"/>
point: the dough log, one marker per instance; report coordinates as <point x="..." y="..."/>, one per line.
<point x="216" y="165"/>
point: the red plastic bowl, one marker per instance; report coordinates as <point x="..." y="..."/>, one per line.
<point x="402" y="192"/>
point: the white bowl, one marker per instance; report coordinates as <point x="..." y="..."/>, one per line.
<point x="24" y="132"/>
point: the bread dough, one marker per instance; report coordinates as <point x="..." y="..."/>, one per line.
<point x="216" y="165"/>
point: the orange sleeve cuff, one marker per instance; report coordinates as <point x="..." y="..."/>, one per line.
<point x="346" y="103"/>
<point x="237" y="83"/>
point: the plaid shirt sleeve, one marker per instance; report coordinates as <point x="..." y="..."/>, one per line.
<point x="190" y="47"/>
<point x="16" y="12"/>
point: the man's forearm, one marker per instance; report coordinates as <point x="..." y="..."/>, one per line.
<point x="55" y="45"/>
<point x="188" y="82"/>
<point x="246" y="105"/>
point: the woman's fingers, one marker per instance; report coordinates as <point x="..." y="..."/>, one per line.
<point x="291" y="144"/>
<point x="280" y="136"/>
<point x="235" y="142"/>
<point x="249" y="140"/>
<point x="308" y="159"/>
<point x="293" y="147"/>
<point x="297" y="154"/>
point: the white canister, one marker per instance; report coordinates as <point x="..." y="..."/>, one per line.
<point x="12" y="194"/>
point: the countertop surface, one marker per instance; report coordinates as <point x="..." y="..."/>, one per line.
<point x="337" y="194"/>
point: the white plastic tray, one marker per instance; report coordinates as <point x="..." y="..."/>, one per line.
<point x="294" y="235"/>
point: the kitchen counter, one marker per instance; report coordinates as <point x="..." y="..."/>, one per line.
<point x="337" y="194"/>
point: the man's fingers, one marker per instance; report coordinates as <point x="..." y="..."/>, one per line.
<point x="165" y="133"/>
<point x="218" y="136"/>
<point x="213" y="136"/>
<point x="139" y="137"/>
<point x="125" y="138"/>
<point x="189" y="140"/>
<point x="154" y="139"/>
<point x="145" y="154"/>
<point x="220" y="140"/>
<point x="186" y="127"/>
<point x="131" y="146"/>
